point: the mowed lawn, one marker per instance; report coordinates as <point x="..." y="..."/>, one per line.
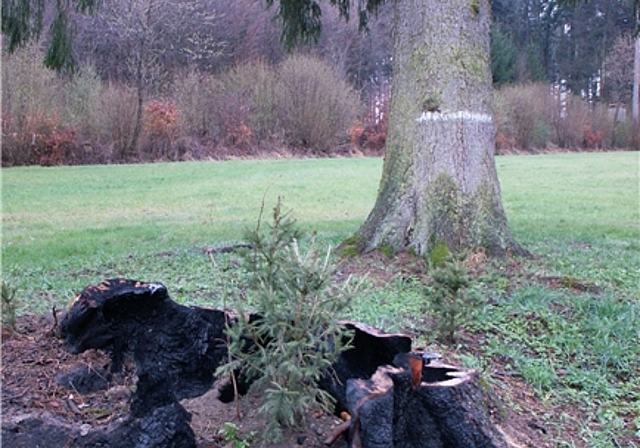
<point x="574" y="349"/>
<point x="65" y="227"/>
<point x="70" y="213"/>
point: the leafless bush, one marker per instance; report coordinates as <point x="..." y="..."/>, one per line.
<point x="624" y="136"/>
<point x="117" y="116"/>
<point x="82" y="94"/>
<point x="194" y="95"/>
<point x="523" y="116"/>
<point x="535" y="115"/>
<point x="315" y="107"/>
<point x="160" y="128"/>
<point x="233" y="118"/>
<point x="601" y="131"/>
<point x="253" y="86"/>
<point x="30" y="99"/>
<point x="570" y="117"/>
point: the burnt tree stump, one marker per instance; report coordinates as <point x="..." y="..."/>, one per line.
<point x="370" y="349"/>
<point x="176" y="350"/>
<point x="396" y="398"/>
<point x="420" y="404"/>
<point x="170" y="343"/>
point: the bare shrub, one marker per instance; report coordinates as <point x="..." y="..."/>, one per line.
<point x="194" y="98"/>
<point x="634" y="139"/>
<point x="535" y="115"/>
<point x="234" y="118"/>
<point x="601" y="129"/>
<point x="160" y="127"/>
<point x="117" y="117"/>
<point x="315" y="106"/>
<point x="82" y="95"/>
<point x="30" y="95"/>
<point x="570" y="116"/>
<point x="253" y="86"/>
<point x="371" y="138"/>
<point x="58" y="148"/>
<point x="523" y="116"/>
<point x="623" y="136"/>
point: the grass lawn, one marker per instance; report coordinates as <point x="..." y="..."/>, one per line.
<point x="64" y="228"/>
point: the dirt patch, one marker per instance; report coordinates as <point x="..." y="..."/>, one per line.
<point x="381" y="269"/>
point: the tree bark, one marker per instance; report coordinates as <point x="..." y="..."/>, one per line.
<point x="439" y="180"/>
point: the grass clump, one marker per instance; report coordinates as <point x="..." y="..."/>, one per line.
<point x="231" y="434"/>
<point x="350" y="247"/>
<point x="294" y="340"/>
<point x="439" y="254"/>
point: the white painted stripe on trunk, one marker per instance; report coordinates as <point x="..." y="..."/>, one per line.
<point x="463" y="115"/>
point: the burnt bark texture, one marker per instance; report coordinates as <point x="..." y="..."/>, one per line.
<point x="444" y="408"/>
<point x="439" y="180"/>
<point x="170" y="343"/>
<point x="164" y="427"/>
<point x="176" y="350"/>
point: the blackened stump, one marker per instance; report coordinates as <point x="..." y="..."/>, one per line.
<point x="168" y="341"/>
<point x="396" y="398"/>
<point x="176" y="350"/>
<point x="413" y="405"/>
<point x="370" y="348"/>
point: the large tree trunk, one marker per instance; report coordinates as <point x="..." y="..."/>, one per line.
<point x="439" y="181"/>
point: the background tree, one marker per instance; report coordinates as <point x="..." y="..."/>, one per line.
<point x="143" y="42"/>
<point x="23" y="20"/>
<point x="634" y="22"/>
<point x="587" y="33"/>
<point x="562" y="41"/>
<point x="619" y="71"/>
<point x="635" y="100"/>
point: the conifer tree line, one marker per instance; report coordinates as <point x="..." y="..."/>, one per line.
<point x="152" y="51"/>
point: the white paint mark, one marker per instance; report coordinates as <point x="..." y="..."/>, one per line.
<point x="463" y="115"/>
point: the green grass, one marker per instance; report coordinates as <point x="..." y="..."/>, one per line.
<point x="74" y="212"/>
<point x="65" y="228"/>
<point x="579" y="196"/>
<point x="69" y="226"/>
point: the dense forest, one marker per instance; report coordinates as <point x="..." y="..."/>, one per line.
<point x="187" y="79"/>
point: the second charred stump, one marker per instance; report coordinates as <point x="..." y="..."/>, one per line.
<point x="369" y="349"/>
<point x="420" y="404"/>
